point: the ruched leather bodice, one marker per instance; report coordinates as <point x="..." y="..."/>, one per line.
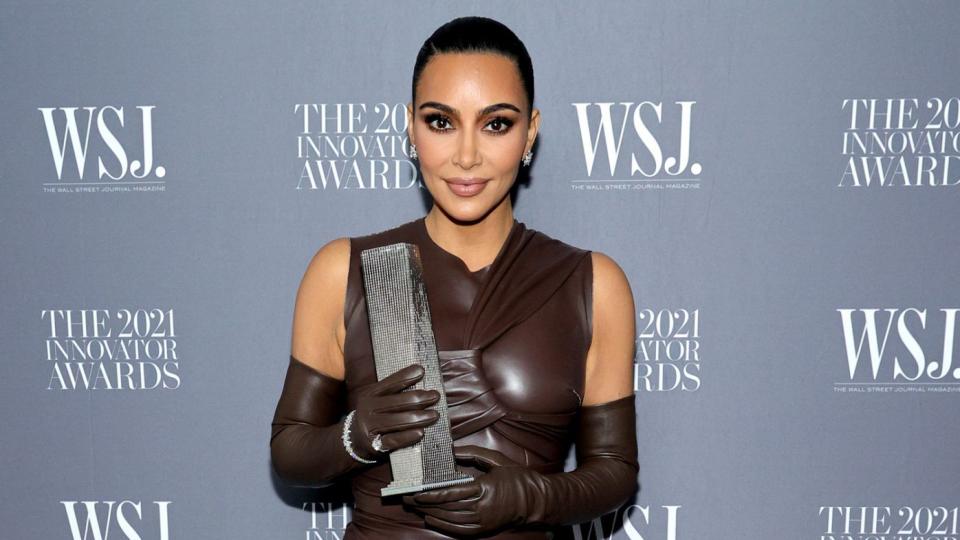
<point x="512" y="339"/>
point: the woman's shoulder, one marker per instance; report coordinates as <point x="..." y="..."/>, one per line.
<point x="546" y="247"/>
<point x="330" y="261"/>
<point x="329" y="269"/>
<point x="596" y="261"/>
<point x="608" y="276"/>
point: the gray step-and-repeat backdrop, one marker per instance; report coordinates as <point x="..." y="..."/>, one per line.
<point x="779" y="180"/>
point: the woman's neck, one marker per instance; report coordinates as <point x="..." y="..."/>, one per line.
<point x="476" y="243"/>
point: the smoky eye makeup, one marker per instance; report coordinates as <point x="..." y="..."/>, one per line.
<point x="430" y="118"/>
<point x="502" y="123"/>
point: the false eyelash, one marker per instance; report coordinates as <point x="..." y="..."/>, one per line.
<point x="503" y="120"/>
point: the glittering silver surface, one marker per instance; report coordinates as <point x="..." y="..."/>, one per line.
<point x="402" y="334"/>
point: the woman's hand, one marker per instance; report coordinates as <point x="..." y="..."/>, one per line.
<point x="497" y="498"/>
<point x="384" y="408"/>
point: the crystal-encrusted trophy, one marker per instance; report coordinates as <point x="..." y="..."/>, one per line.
<point x="402" y="334"/>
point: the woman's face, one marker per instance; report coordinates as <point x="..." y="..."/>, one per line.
<point x="470" y="124"/>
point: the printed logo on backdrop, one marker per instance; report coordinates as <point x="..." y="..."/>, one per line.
<point x="327" y="520"/>
<point x="635" y="522"/>
<point x="351" y="146"/>
<point x="101" y="150"/>
<point x="103" y="349"/>
<point x="888" y="523"/>
<point x="637" y="146"/>
<point x="667" y="351"/>
<point x="898" y="350"/>
<point x="901" y="142"/>
<point x="130" y="520"/>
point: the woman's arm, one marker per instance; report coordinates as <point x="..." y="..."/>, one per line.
<point x="606" y="439"/>
<point x="305" y="441"/>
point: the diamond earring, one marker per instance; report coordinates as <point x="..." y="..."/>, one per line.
<point x="527" y="158"/>
<point x="413" y="151"/>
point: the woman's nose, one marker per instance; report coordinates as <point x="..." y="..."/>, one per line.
<point x="467" y="151"/>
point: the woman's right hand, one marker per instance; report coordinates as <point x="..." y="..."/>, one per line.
<point x="399" y="416"/>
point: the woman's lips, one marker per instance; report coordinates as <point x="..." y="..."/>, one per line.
<point x="466" y="189"/>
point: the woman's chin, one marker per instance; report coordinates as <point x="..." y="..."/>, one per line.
<point x="465" y="212"/>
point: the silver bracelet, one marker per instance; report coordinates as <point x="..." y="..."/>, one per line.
<point x="346" y="439"/>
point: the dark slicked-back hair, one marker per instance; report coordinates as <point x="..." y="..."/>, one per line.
<point x="477" y="35"/>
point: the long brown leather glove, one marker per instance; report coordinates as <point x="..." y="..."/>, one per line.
<point x="511" y="495"/>
<point x="306" y="447"/>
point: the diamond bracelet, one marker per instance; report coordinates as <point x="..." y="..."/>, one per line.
<point x="346" y="439"/>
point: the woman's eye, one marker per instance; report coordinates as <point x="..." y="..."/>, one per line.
<point x="432" y="121"/>
<point x="500" y="124"/>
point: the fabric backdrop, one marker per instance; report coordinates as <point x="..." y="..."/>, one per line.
<point x="779" y="180"/>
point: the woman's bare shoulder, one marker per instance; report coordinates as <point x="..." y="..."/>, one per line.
<point x="317" y="337"/>
<point x="608" y="277"/>
<point x="613" y="302"/>
<point x="610" y="358"/>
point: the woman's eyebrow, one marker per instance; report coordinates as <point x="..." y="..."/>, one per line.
<point x="483" y="112"/>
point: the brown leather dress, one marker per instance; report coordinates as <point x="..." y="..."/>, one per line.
<point x="512" y="339"/>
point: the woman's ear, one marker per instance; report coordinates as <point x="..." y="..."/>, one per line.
<point x="410" y="122"/>
<point x="533" y="129"/>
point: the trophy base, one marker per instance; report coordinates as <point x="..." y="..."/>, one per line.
<point x="401" y="487"/>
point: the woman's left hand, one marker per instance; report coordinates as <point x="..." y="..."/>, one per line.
<point x="495" y="499"/>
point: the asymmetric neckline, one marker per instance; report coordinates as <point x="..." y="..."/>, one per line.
<point x="426" y="235"/>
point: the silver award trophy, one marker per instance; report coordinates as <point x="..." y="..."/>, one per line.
<point x="402" y="334"/>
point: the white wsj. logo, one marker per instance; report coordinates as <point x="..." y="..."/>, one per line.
<point x="638" y="523"/>
<point x="100" y="531"/>
<point x="613" y="138"/>
<point x="922" y="367"/>
<point x="80" y="143"/>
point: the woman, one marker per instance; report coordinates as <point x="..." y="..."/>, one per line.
<point x="535" y="336"/>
